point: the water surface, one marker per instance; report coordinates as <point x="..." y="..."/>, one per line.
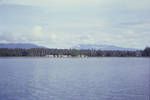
<point x="74" y="79"/>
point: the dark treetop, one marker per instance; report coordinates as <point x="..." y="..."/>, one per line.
<point x="4" y="52"/>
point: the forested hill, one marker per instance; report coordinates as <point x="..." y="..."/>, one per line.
<point x="7" y="52"/>
<point x="19" y="45"/>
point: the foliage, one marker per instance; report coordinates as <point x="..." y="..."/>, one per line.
<point x="72" y="52"/>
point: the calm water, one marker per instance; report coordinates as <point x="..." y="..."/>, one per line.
<point x="75" y="79"/>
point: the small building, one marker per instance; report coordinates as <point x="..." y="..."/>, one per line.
<point x="50" y="56"/>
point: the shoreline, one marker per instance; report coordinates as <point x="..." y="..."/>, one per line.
<point x="68" y="57"/>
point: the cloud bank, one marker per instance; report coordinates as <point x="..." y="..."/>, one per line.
<point x="65" y="23"/>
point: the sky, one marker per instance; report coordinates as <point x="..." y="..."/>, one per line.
<point x="67" y="23"/>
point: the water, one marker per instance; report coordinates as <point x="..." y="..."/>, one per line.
<point x="74" y="79"/>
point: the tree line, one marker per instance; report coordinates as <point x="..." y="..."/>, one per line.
<point x="40" y="52"/>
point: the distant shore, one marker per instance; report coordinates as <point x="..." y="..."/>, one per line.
<point x="71" y="53"/>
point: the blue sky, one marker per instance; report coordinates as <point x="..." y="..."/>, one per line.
<point x="66" y="23"/>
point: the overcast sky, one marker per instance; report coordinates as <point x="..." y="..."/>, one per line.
<point x="66" y="23"/>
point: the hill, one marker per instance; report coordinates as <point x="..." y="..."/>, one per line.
<point x="102" y="47"/>
<point x="19" y="45"/>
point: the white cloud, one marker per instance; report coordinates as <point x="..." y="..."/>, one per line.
<point x="65" y="23"/>
<point x="38" y="31"/>
<point x="130" y="4"/>
<point x="68" y="40"/>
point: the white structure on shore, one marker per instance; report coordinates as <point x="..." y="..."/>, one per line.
<point x="65" y="56"/>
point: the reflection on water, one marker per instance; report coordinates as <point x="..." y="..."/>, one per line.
<point x="74" y="79"/>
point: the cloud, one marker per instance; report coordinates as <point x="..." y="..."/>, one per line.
<point x="38" y="31"/>
<point x="8" y="37"/>
<point x="65" y="23"/>
<point x="127" y="4"/>
<point x="68" y="40"/>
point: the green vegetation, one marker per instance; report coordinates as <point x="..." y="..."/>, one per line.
<point x="4" y="52"/>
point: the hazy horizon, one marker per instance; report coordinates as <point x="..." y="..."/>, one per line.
<point x="65" y="23"/>
<point x="78" y="46"/>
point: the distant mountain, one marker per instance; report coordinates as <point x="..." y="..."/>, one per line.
<point x="19" y="45"/>
<point x="102" y="47"/>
